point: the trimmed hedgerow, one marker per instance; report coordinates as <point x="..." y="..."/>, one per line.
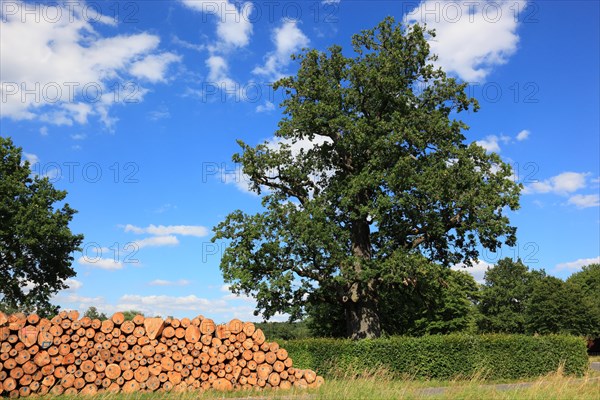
<point x="443" y="356"/>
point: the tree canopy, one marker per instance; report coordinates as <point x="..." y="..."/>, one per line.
<point x="36" y="244"/>
<point x="368" y="180"/>
<point x="505" y="295"/>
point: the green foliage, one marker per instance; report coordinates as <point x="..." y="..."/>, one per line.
<point x="284" y="330"/>
<point x="370" y="178"/>
<point x="431" y="300"/>
<point x="36" y="244"/>
<point x="516" y="300"/>
<point x="560" y="307"/>
<point x="93" y="313"/>
<point x="505" y="295"/>
<point x="130" y="314"/>
<point x="443" y="356"/>
<point x="588" y="282"/>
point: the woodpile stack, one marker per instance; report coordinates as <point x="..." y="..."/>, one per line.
<point x="68" y="355"/>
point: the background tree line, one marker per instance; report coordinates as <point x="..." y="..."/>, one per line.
<point x="512" y="299"/>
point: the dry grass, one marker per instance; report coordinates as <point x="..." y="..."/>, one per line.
<point x="379" y="385"/>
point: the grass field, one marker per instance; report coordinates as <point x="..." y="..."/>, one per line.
<point x="378" y="386"/>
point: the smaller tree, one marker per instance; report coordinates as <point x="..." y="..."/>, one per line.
<point x="36" y="244"/>
<point x="130" y="314"/>
<point x="93" y="313"/>
<point x="556" y="306"/>
<point x="588" y="281"/>
<point x="504" y="297"/>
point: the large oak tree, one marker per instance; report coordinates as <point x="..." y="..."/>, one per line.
<point x="369" y="177"/>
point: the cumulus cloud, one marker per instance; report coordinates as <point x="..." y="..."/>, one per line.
<point x="156" y="241"/>
<point x="162" y="230"/>
<point x="73" y="285"/>
<point x="564" y="183"/>
<point x="584" y="200"/>
<point x="163" y="282"/>
<point x="153" y="67"/>
<point x="577" y="264"/>
<point x="218" y="73"/>
<point x="492" y="142"/>
<point x="32" y="158"/>
<point x="233" y="22"/>
<point x="524" y="134"/>
<point x="478" y="270"/>
<point x="472" y="37"/>
<point x="101" y="263"/>
<point x="267" y="107"/>
<point x="288" y="39"/>
<point x="69" y="69"/>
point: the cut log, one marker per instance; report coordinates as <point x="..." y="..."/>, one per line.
<point x="118" y="318"/>
<point x="139" y="319"/>
<point x="207" y="326"/>
<point x="3" y="319"/>
<point x="153" y="327"/>
<point x="112" y="371"/>
<point x="192" y="334"/>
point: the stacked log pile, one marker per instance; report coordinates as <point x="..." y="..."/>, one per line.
<point x="71" y="355"/>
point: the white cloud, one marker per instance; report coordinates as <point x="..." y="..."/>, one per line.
<point x="101" y="263"/>
<point x="584" y="200"/>
<point x="472" y="37"/>
<point x="75" y="301"/>
<point x="236" y="177"/>
<point x="161" y="230"/>
<point x="157" y="241"/>
<point x="330" y="1"/>
<point x="524" y="134"/>
<point x="78" y="136"/>
<point x="288" y="39"/>
<point x="73" y="285"/>
<point x="478" y="270"/>
<point x="32" y="158"/>
<point x="233" y="23"/>
<point x="162" y="282"/>
<point x="577" y="264"/>
<point x="153" y="67"/>
<point x="492" y="142"/>
<point x="187" y="45"/>
<point x="564" y="183"/>
<point x="164" y="304"/>
<point x="218" y="73"/>
<point x="44" y="131"/>
<point x="267" y="107"/>
<point x="69" y="68"/>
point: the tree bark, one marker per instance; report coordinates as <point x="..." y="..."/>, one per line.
<point x="362" y="317"/>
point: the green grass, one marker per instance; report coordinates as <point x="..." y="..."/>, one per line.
<point x="381" y="387"/>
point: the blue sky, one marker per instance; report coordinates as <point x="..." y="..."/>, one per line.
<point x="134" y="109"/>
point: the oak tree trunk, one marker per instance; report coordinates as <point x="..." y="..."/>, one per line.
<point x="362" y="317"/>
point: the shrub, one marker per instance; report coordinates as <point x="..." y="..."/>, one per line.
<point x="443" y="356"/>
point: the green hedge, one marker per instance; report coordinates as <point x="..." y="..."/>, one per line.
<point x="443" y="356"/>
